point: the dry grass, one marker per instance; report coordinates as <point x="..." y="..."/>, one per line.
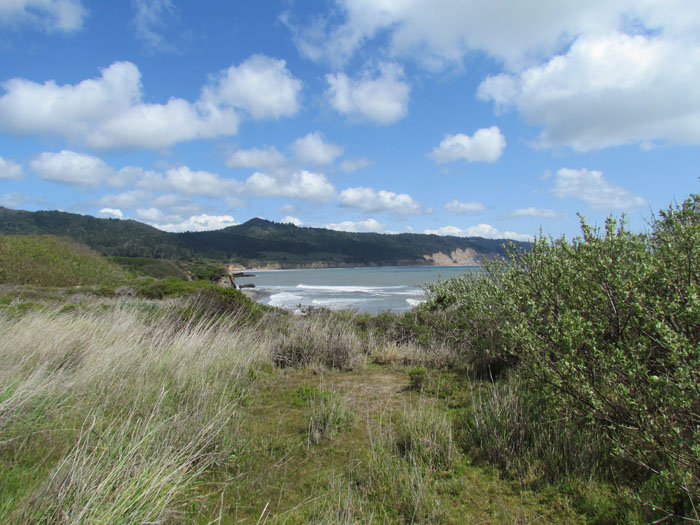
<point x="133" y="407"/>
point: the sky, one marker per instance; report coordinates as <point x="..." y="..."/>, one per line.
<point x="499" y="119"/>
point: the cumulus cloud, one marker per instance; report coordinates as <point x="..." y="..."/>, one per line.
<point x="592" y="188"/>
<point x="291" y="220"/>
<point x="608" y="90"/>
<point x="486" y="145"/>
<point x="185" y="181"/>
<point x="74" y="168"/>
<point x="378" y="96"/>
<point x="108" y="112"/>
<point x="312" y="149"/>
<point x="10" y="170"/>
<point x="299" y="185"/>
<point x="354" y="164"/>
<point x="440" y="34"/>
<point x="370" y="200"/>
<point x="257" y="158"/>
<point x="261" y="85"/>
<point x="111" y="212"/>
<point x="540" y="213"/>
<point x="456" y="206"/>
<point x="126" y="199"/>
<point x="202" y="222"/>
<point x="50" y="15"/>
<point x="480" y="230"/>
<point x="367" y="225"/>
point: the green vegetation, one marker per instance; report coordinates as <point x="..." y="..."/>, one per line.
<point x="561" y="387"/>
<point x="256" y="242"/>
<point x="44" y="260"/>
<point x="601" y="340"/>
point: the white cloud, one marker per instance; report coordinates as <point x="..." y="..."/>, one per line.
<point x="438" y="34"/>
<point x="486" y="145"/>
<point x="261" y="85"/>
<point x="198" y="223"/>
<point x="148" y="17"/>
<point x="108" y="112"/>
<point x="177" y="223"/>
<point x="257" y="158"/>
<point x="51" y="15"/>
<point x="354" y="164"/>
<point x="111" y="212"/>
<point x="185" y="181"/>
<point x="368" y="225"/>
<point x="299" y="185"/>
<point x="381" y="98"/>
<point x="14" y="199"/>
<point x="370" y="200"/>
<point x="464" y="207"/>
<point x="540" y="213"/>
<point x="70" y="167"/>
<point x="480" y="230"/>
<point x="608" y="90"/>
<point x="291" y="220"/>
<point x="126" y="199"/>
<point x="312" y="149"/>
<point x="592" y="188"/>
<point x="10" y="170"/>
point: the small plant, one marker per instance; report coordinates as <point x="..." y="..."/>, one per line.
<point x="417" y="377"/>
<point x="328" y="414"/>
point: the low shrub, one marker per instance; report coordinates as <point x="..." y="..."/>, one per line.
<point x="322" y="340"/>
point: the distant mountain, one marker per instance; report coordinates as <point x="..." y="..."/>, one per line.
<point x="257" y="242"/>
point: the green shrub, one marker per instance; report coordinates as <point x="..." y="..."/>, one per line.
<point x="605" y="333"/>
<point x="417" y="377"/>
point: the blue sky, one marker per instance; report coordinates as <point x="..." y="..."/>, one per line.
<point x="459" y="117"/>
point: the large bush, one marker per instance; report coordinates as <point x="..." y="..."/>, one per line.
<point x="604" y="330"/>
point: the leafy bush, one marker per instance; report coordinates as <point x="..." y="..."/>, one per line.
<point x="605" y="332"/>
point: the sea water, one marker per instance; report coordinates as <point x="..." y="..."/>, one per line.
<point x="372" y="290"/>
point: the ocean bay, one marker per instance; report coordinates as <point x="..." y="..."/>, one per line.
<point x="367" y="289"/>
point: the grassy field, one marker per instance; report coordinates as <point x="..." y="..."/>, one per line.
<point x="124" y="412"/>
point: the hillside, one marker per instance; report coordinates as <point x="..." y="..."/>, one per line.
<point x="256" y="242"/>
<point x="44" y="260"/>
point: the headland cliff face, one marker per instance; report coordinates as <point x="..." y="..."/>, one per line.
<point x="466" y="257"/>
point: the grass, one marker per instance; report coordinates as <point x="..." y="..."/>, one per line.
<point x="128" y="411"/>
<point x="46" y="260"/>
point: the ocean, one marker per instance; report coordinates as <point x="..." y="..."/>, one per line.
<point x="371" y="290"/>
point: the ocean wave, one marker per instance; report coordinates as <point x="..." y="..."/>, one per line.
<point x="346" y="289"/>
<point x="284" y="299"/>
<point x="414" y="302"/>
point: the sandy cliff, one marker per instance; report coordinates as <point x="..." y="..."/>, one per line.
<point x="466" y="257"/>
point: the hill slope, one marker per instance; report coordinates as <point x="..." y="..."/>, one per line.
<point x="46" y="260"/>
<point x="256" y="242"/>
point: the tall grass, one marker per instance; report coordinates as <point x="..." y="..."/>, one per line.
<point x="113" y="415"/>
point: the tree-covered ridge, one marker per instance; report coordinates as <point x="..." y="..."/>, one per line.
<point x="254" y="242"/>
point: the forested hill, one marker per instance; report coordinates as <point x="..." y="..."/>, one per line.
<point x="255" y="242"/>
